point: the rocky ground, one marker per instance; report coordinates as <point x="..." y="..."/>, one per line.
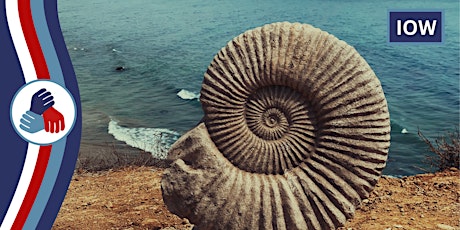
<point x="131" y="199"/>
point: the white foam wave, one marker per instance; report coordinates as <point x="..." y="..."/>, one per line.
<point x="154" y="140"/>
<point x="187" y="95"/>
<point x="78" y="48"/>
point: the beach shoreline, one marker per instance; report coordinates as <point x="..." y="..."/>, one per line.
<point x="109" y="155"/>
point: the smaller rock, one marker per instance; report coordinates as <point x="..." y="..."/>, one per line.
<point x="398" y="226"/>
<point x="185" y="221"/>
<point x="109" y="205"/>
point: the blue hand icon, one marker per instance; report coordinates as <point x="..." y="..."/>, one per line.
<point x="32" y="122"/>
<point x="41" y="101"/>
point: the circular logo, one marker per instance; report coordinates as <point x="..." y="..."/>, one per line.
<point x="43" y="112"/>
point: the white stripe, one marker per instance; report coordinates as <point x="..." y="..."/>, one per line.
<point x="23" y="185"/>
<point x="14" y="24"/>
<point x="28" y="70"/>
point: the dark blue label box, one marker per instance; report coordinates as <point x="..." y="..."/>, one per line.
<point x="418" y="27"/>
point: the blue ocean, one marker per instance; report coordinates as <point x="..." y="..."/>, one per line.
<point x="165" y="47"/>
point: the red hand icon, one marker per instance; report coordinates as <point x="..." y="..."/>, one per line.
<point x="54" y="120"/>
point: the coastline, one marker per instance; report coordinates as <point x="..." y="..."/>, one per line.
<point x="109" y="155"/>
<point x="130" y="198"/>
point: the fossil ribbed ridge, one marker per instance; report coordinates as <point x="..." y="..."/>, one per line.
<point x="296" y="133"/>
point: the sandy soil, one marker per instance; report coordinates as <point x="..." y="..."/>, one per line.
<point x="131" y="199"/>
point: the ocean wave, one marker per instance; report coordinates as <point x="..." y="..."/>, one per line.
<point x="154" y="140"/>
<point x="76" y="48"/>
<point x="398" y="127"/>
<point x="404" y="131"/>
<point x="187" y="95"/>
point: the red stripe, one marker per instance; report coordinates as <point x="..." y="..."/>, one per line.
<point x="28" y="28"/>
<point x="34" y="186"/>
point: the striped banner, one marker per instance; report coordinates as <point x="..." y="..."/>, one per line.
<point x="46" y="170"/>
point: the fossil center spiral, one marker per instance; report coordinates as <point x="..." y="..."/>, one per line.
<point x="272" y="117"/>
<point x="270" y="124"/>
<point x="280" y="125"/>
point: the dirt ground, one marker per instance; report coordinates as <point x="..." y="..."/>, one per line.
<point x="131" y="199"/>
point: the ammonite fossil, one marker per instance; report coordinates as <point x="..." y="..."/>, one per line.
<point x="296" y="133"/>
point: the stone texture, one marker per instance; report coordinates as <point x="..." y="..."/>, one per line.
<point x="295" y="135"/>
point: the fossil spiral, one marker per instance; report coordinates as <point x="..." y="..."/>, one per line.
<point x="296" y="133"/>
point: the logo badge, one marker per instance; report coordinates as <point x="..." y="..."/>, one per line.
<point x="415" y="26"/>
<point x="43" y="112"/>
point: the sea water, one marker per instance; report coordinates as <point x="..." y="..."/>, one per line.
<point x="165" y="47"/>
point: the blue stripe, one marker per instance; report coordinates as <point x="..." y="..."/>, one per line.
<point x="73" y="139"/>
<point x="54" y="164"/>
<point x="46" y="43"/>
